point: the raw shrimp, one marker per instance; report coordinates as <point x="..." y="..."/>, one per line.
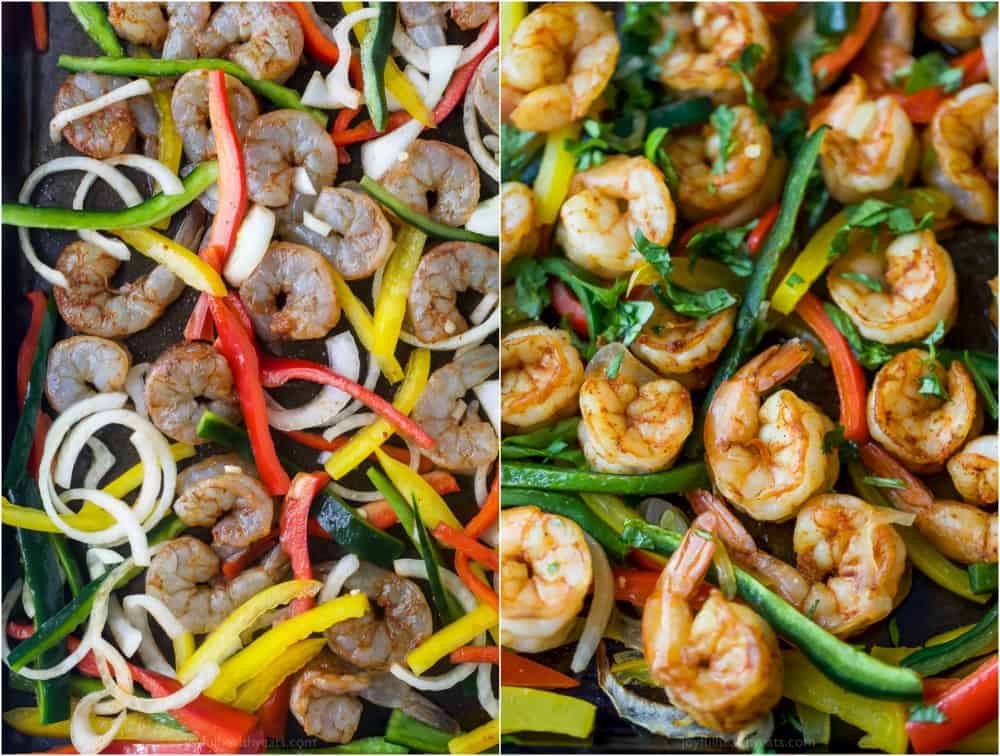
<point x="139" y="23"/>
<point x="486" y="90"/>
<point x="635" y="422"/>
<point x="185" y="21"/>
<point x="324" y="699"/>
<point x="720" y="664"/>
<point x="561" y="58"/>
<point x="605" y="208"/>
<point x="209" y="467"/>
<point x="425" y="22"/>
<point x="186" y="575"/>
<point x="442" y="273"/>
<point x="278" y="142"/>
<point x="519" y="233"/>
<point x="675" y="344"/>
<point x="889" y="49"/>
<point x="540" y="376"/>
<point x="922" y="430"/>
<point x="470" y="15"/>
<point x="444" y="170"/>
<point x="265" y="38"/>
<point x="545" y="573"/>
<point x="974" y="471"/>
<point x="766" y="456"/>
<point x="706" y="40"/>
<point x="91" y="305"/>
<point x="235" y="505"/>
<point x="870" y="147"/>
<point x="189" y="106"/>
<point x="291" y="294"/>
<point x="961" y="149"/>
<point x="376" y="641"/>
<point x="464" y="440"/>
<point x="186" y="380"/>
<point x="710" y="187"/>
<point x="82" y="366"/>
<point x="103" y="134"/>
<point x="918" y="288"/>
<point x="954" y="24"/>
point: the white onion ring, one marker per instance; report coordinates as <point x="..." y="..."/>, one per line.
<point x="449" y="679"/>
<point x="472" y="337"/>
<point x="149" y="652"/>
<point x="124" y="516"/>
<point x="601" y="604"/>
<point x="135" y="387"/>
<point x="479" y="483"/>
<point x="336" y="82"/>
<point x="82" y="735"/>
<point x="485" y="35"/>
<point x="470" y="124"/>
<point x="345" y="567"/>
<point x="64" y="118"/>
<point x="484" y="690"/>
<point x="409" y="50"/>
<point x="104" y="460"/>
<point x="144" y="603"/>
<point x="371" y="380"/>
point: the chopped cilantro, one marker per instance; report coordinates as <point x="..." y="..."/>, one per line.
<point x="723" y="120"/>
<point x="656" y="153"/>
<point x="875" y="480"/>
<point x="626" y="321"/>
<point x="864" y="279"/>
<point x="894" y="632"/>
<point x="744" y="66"/>
<point x="980" y="9"/>
<point x="794" y="280"/>
<point x="723" y="245"/>
<point x="530" y="286"/>
<point x="930" y="70"/>
<point x="643" y="19"/>
<point x="871" y="354"/>
<point x="927" y="713"/>
<point x="871" y="214"/>
<point x="615" y="365"/>
<point x="518" y="150"/>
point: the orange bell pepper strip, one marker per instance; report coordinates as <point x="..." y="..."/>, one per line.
<point x="475" y="655"/>
<point x="518" y="671"/>
<point x="468" y="546"/>
<point x="775" y="12"/>
<point x="634" y="586"/>
<point x="488" y="514"/>
<point x="828" y="67"/>
<point x="25" y="356"/>
<point x="40" y="27"/>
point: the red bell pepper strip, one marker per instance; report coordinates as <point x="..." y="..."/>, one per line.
<point x="634" y="586"/>
<point x="566" y="305"/>
<point x="317" y="442"/>
<point x="480" y="589"/>
<point x="39" y="27"/>
<point x="828" y="66"/>
<point x="129" y="747"/>
<point x="688" y="235"/>
<point x="521" y="672"/>
<point x="475" y="655"/>
<point x="380" y="514"/>
<point x="233" y="566"/>
<point x="488" y="514"/>
<point x="847" y="371"/>
<point x="756" y="237"/>
<point x="273" y="713"/>
<point x="25" y="356"/>
<point x="921" y="106"/>
<point x="775" y="12"/>
<point x="320" y="47"/>
<point x="294" y="525"/>
<point x="466" y="545"/>
<point x="968" y="706"/>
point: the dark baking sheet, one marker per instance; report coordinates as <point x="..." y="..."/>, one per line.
<point x="30" y="81"/>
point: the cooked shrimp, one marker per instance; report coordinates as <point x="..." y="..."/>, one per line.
<point x="710" y="187"/>
<point x="378" y="640"/>
<point x="721" y="664"/>
<point x="265" y="38"/>
<point x="635" y="422"/>
<point x="706" y="40"/>
<point x="470" y="15"/>
<point x="766" y="455"/>
<point x="189" y="106"/>
<point x="519" y="233"/>
<point x="436" y="168"/>
<point x="922" y="430"/>
<point x="464" y="440"/>
<point x="291" y="294"/>
<point x="184" y="381"/>
<point x="324" y="699"/>
<point x="278" y="142"/>
<point x="605" y="208"/>
<point x="540" y="376"/>
<point x="139" y="23"/>
<point x="486" y="89"/>
<point x="103" y="134"/>
<point x="918" y="288"/>
<point x="424" y="22"/>
<point x="561" y="58"/>
<point x="235" y="505"/>
<point x="91" y="305"/>
<point x="961" y="148"/>
<point x="974" y="471"/>
<point x="82" y="366"/>
<point x="675" y="344"/>
<point x="185" y="22"/>
<point x="890" y="47"/>
<point x="545" y="573"/>
<point x="954" y="24"/>
<point x="442" y="273"/>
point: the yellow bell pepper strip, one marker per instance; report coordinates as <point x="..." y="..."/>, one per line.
<point x="478" y="740"/>
<point x="168" y="141"/>
<point x="513" y="13"/>
<point x="254" y="693"/>
<point x="530" y="710"/>
<point x="364" y="443"/>
<point x="412" y="486"/>
<point x="138" y="727"/>
<point x="557" y="169"/>
<point x="183" y="647"/>
<point x="244" y="665"/>
<point x="390" y="309"/>
<point x="364" y="327"/>
<point x="224" y="641"/>
<point x="451" y="638"/>
<point x="179" y="260"/>
<point x="884" y="722"/>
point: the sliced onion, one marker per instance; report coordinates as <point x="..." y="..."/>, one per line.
<point x="470" y="125"/>
<point x="471" y="337"/>
<point x="601" y="604"/>
<point x="415" y="568"/>
<point x="104" y="460"/>
<point x="81" y="732"/>
<point x="337" y="84"/>
<point x="9" y="600"/>
<point x="135" y="387"/>
<point x="313" y="223"/>
<point x="409" y="50"/>
<point x="98" y="560"/>
<point x="484" y="689"/>
<point x="479" y="484"/>
<point x="122" y="514"/>
<point x="126" y="635"/>
<point x="143" y="602"/>
<point x="301" y="181"/>
<point x="252" y="242"/>
<point x="114" y="247"/>
<point x="149" y="651"/>
<point x="485" y="219"/>
<point x="482" y="40"/>
<point x="371" y="380"/>
<point x="753" y="737"/>
<point x="341" y="571"/>
<point x="317" y="95"/>
<point x="488" y="394"/>
<point x="27" y="602"/>
<point x="490" y="536"/>
<point x="169" y="182"/>
<point x="62" y="119"/>
<point x="448" y="680"/>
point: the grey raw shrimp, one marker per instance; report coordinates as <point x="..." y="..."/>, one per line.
<point x="439" y="168"/>
<point x="209" y="467"/>
<point x="265" y="38"/>
<point x="145" y="24"/>
<point x="189" y="107"/>
<point x="235" y="505"/>
<point x="103" y="134"/>
<point x="425" y="23"/>
<point x="82" y="366"/>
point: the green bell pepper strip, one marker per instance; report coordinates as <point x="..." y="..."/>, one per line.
<point x="146" y="214"/>
<point x="94" y="20"/>
<point x="375" y="48"/>
<point x="976" y="641"/>
<point x="68" y="563"/>
<point x="678" y="115"/>
<point x="984" y="363"/>
<point x="154" y="68"/>
<point x="983" y="577"/>
<point x="374" y="745"/>
<point x="845" y="665"/>
<point x="406" y="731"/>
<point x="546" y="477"/>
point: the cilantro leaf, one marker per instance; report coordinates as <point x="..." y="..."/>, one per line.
<point x="723" y="245"/>
<point x="615" y="365"/>
<point x="930" y="70"/>
<point x="894" y="632"/>
<point x="723" y="120"/>
<point x="694" y="304"/>
<point x="656" y="153"/>
<point x="875" y="480"/>
<point x="865" y="280"/>
<point x="530" y="287"/>
<point x="655" y="254"/>
<point x="872" y="214"/>
<point x="980" y="9"/>
<point x="788" y="132"/>
<point x="871" y="354"/>
<point x="797" y="72"/>
<point x="518" y="150"/>
<point x="927" y="713"/>
<point x="744" y="66"/>
<point x="626" y="321"/>
<point x="643" y="19"/>
<point x="930" y="385"/>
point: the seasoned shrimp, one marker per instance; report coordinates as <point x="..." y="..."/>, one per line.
<point x="890" y="47"/>
<point x="545" y="573"/>
<point x="291" y="294"/>
<point x="186" y="575"/>
<point x="486" y="89"/>
<point x="955" y="24"/>
<point x="444" y="170"/>
<point x="675" y="344"/>
<point x="470" y="15"/>
<point x="519" y="234"/>
<point x="635" y="422"/>
<point x="324" y="699"/>
<point x="378" y="640"/>
<point x="139" y="23"/>
<point x="974" y="471"/>
<point x="91" y="305"/>
<point x="766" y="455"/>
<point x="235" y="505"/>
<point x="961" y="148"/>
<point x="464" y="440"/>
<point x="265" y="38"/>
<point x="720" y="664"/>
<point x="540" y="376"/>
<point x="185" y="21"/>
<point x="82" y="366"/>
<point x="278" y="142"/>
<point x="710" y="186"/>
<point x="922" y="430"/>
<point x="605" y="208"/>
<point x="189" y="106"/>
<point x="442" y="273"/>
<point x="561" y="58"/>
<point x="184" y="381"/>
<point x="870" y="146"/>
<point x="706" y="40"/>
<point x="103" y="134"/>
<point x="918" y="288"/>
<point x="424" y="22"/>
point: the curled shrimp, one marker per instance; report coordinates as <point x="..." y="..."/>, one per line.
<point x="766" y="456"/>
<point x="185" y="22"/>
<point x="677" y="345"/>
<point x="540" y="376"/>
<point x="265" y="38"/>
<point x="100" y="135"/>
<point x="634" y="422"/>
<point x="464" y="441"/>
<point x="720" y="663"/>
<point x="436" y="168"/>
<point x="209" y="467"/>
<point x="82" y="366"/>
<point x="442" y="273"/>
<point x="561" y="58"/>
<point x="605" y="208"/>
<point x="917" y="284"/>
<point x="519" y="233"/>
<point x="189" y="107"/>
<point x="890" y="47"/>
<point x="973" y="471"/>
<point x="471" y="15"/>
<point x="545" y="573"/>
<point x="235" y="505"/>
<point x="139" y="23"/>
<point x="955" y="24"/>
